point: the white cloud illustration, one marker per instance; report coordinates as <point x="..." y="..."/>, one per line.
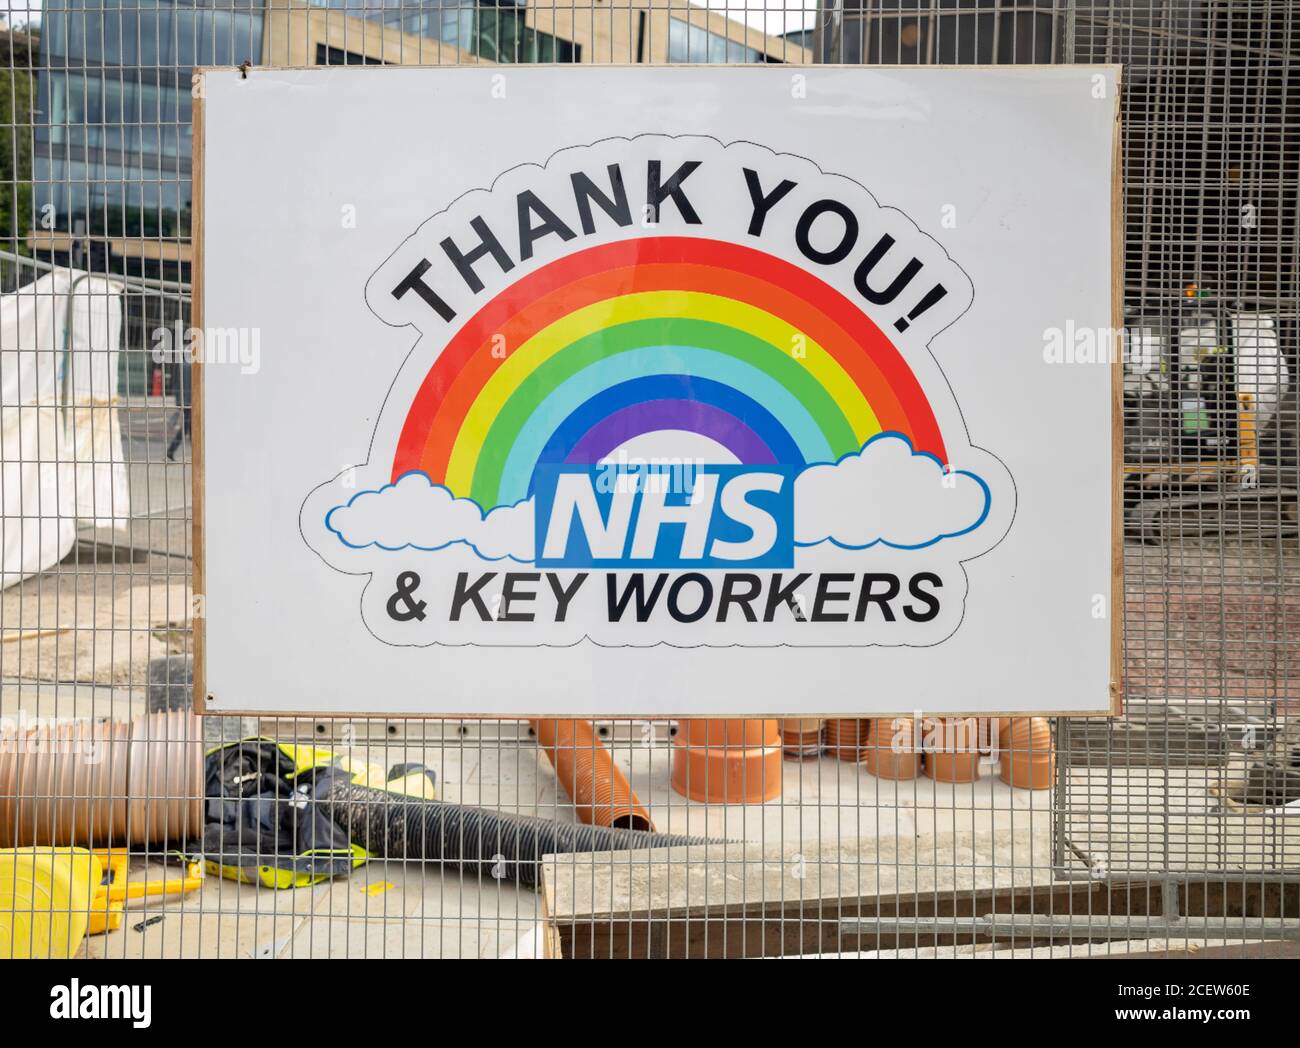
<point x="886" y="494"/>
<point x="415" y="513"/>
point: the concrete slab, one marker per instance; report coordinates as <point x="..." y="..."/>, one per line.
<point x="56" y="701"/>
<point x="1154" y="820"/>
<point x="95" y="623"/>
<point x="580" y="888"/>
<point x="223" y="919"/>
<point x="1118" y="948"/>
<point x="391" y="909"/>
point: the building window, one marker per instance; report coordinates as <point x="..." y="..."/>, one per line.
<point x="801" y="37"/>
<point x="111" y="130"/>
<point x="492" y="29"/>
<point x="128" y="198"/>
<point x="151" y="33"/>
<point x="695" y="44"/>
<point x="501" y="34"/>
<point x="326" y="55"/>
<point x="120" y="110"/>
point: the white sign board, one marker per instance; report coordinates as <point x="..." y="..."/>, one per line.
<point x="657" y="392"/>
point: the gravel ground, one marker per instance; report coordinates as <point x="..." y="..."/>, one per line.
<point x="1210" y="623"/>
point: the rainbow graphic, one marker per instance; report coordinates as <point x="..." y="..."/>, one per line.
<point x="654" y="334"/>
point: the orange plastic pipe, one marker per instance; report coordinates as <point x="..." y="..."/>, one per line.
<point x="893" y="748"/>
<point x="728" y="761"/>
<point x="601" y="795"/>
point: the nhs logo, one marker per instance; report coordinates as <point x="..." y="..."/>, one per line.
<point x="664" y="516"/>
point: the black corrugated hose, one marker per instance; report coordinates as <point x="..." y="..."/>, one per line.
<point x="499" y="844"/>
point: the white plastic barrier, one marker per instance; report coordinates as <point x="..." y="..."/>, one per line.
<point x="60" y="444"/>
<point x="99" y="469"/>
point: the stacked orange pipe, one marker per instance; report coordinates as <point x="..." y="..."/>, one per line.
<point x="846" y="738"/>
<point x="728" y="761"/>
<point x="955" y="754"/>
<point x="601" y="795"/>
<point x="893" y="748"/>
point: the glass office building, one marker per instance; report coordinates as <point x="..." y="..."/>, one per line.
<point x="112" y="138"/>
<point x="111" y="156"/>
<point x="493" y="29"/>
<point x="690" y="43"/>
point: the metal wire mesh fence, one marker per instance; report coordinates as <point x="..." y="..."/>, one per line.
<point x="1178" y="823"/>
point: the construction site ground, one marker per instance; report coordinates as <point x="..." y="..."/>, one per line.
<point x="90" y="627"/>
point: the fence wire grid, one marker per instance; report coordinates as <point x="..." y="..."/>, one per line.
<point x="1174" y="826"/>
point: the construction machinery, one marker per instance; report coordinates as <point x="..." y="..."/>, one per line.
<point x="1208" y="448"/>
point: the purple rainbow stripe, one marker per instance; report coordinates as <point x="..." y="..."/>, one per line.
<point x="690" y="415"/>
